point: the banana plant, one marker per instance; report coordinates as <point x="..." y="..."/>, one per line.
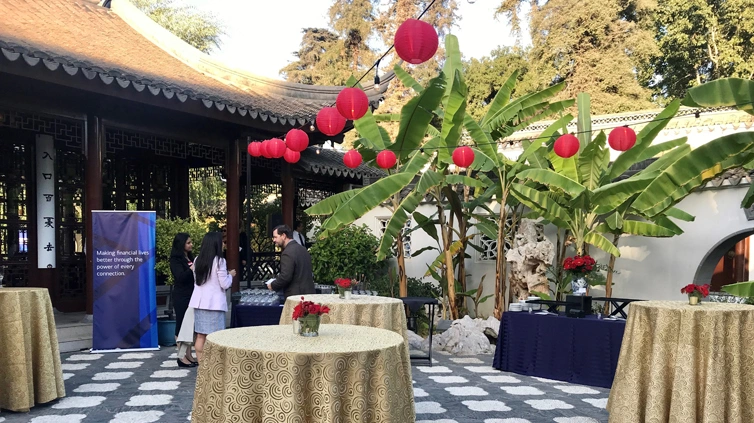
<point x="424" y="151"/>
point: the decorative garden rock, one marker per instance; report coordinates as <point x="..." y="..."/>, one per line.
<point x="529" y="258"/>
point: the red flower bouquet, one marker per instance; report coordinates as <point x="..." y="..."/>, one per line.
<point x="579" y="264"/>
<point x="345" y="283"/>
<point x="306" y="308"/>
<point x="695" y="292"/>
<point x="579" y="267"/>
<point x="344" y="287"/>
<point x="308" y="314"/>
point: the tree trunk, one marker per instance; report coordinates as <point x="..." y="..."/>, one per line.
<point x="500" y="264"/>
<point x="609" y="279"/>
<point x="401" y="259"/>
<point x="449" y="270"/>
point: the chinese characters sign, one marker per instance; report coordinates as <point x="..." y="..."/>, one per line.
<point x="46" y="200"/>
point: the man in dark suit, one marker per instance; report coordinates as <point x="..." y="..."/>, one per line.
<point x="295" y="277"/>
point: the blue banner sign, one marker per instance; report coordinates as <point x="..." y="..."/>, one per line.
<point x="125" y="304"/>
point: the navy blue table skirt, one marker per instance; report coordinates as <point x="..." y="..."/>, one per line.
<point x="250" y="315"/>
<point x="582" y="351"/>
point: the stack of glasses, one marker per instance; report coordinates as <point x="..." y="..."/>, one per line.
<point x="259" y="297"/>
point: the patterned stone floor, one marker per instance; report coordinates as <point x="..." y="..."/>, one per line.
<point x="149" y="387"/>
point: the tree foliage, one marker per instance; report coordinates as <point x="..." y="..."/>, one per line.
<point x="199" y="29"/>
<point x="700" y="41"/>
<point x="347" y="253"/>
<point x="595" y="47"/>
<point x="486" y="76"/>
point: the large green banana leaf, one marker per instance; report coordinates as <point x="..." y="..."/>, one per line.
<point x="416" y="116"/>
<point x="455" y="112"/>
<point x="693" y="170"/>
<point x="509" y="111"/>
<point x="419" y="159"/>
<point x="502" y="98"/>
<point x="375" y="135"/>
<point x="452" y="66"/>
<point x="542" y="204"/>
<point x="331" y="203"/>
<point x="482" y="139"/>
<point x="643" y="140"/>
<point x="584" y="123"/>
<point x="599" y="241"/>
<point x="407" y="80"/>
<point x="609" y="197"/>
<point x="397" y="222"/>
<point x="731" y="92"/>
<point x="566" y="167"/>
<point x="666" y="160"/>
<point x="593" y="162"/>
<point x="365" y="200"/>
<point x="529" y="116"/>
<point x="553" y="179"/>
<point x="741" y="289"/>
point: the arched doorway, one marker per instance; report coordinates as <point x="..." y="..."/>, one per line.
<point x="727" y="262"/>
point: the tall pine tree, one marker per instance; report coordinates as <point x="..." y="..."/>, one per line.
<point x="596" y="46"/>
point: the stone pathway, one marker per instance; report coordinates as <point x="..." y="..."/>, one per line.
<point x="149" y="387"/>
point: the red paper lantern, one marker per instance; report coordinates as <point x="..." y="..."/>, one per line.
<point x="330" y="121"/>
<point x="352" y="159"/>
<point x="416" y="41"/>
<point x="254" y="149"/>
<point x="352" y="103"/>
<point x="622" y="138"/>
<point x="275" y="148"/>
<point x="296" y="140"/>
<point x="566" y="146"/>
<point x="291" y="156"/>
<point x="263" y="149"/>
<point x="463" y="156"/>
<point x="386" y="159"/>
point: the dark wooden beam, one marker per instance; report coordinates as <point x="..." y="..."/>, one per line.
<point x="288" y="195"/>
<point x="233" y="170"/>
<point x="94" y="140"/>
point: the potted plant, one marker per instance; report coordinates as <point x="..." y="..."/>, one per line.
<point x="579" y="267"/>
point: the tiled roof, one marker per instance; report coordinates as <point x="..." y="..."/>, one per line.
<point x="330" y="163"/>
<point x="125" y="47"/>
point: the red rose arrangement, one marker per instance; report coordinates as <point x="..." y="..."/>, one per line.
<point x="579" y="264"/>
<point x="306" y="308"/>
<point x="692" y="289"/>
<point x="345" y="283"/>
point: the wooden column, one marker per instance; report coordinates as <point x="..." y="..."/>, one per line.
<point x="289" y="194"/>
<point x="181" y="195"/>
<point x="233" y="170"/>
<point x="95" y="150"/>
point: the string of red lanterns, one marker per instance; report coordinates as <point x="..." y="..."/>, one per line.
<point x="415" y="42"/>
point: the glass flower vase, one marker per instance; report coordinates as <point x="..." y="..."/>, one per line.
<point x="309" y="325"/>
<point x="695" y="299"/>
<point x="344" y="293"/>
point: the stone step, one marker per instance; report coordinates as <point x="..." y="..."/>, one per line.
<point x="74" y="346"/>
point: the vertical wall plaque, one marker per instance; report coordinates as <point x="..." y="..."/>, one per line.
<point x="46" y="201"/>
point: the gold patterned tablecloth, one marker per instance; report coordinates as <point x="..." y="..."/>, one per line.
<point x="360" y="310"/>
<point x="266" y="374"/>
<point x="30" y="369"/>
<point x="681" y="363"/>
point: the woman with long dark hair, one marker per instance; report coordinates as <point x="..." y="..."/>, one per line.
<point x="212" y="278"/>
<point x="182" y="268"/>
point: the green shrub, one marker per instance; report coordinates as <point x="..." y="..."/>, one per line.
<point x="165" y="232"/>
<point x="349" y="253"/>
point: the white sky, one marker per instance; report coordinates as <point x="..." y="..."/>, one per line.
<point x="262" y="35"/>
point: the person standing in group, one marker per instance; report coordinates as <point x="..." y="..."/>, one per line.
<point x="182" y="268"/>
<point x="298" y="233"/>
<point x="295" y="277"/>
<point x="212" y="278"/>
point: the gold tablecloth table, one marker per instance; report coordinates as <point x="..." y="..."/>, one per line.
<point x="30" y="369"/>
<point x="681" y="363"/>
<point x="267" y="374"/>
<point x="360" y="310"/>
